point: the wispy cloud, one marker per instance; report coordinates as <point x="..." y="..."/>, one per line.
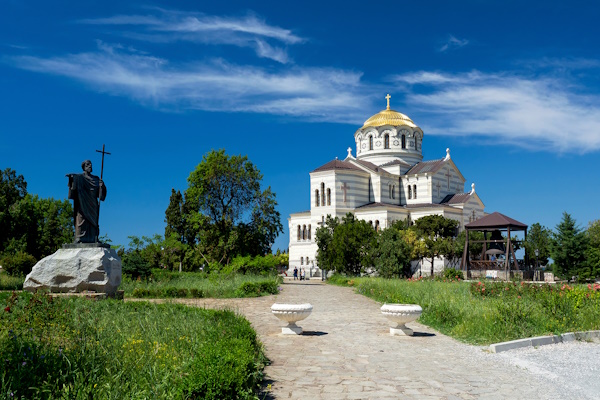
<point x="322" y="94"/>
<point x="453" y="43"/>
<point x="533" y="112"/>
<point x="171" y="26"/>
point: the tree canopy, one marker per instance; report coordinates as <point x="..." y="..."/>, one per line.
<point x="30" y="224"/>
<point x="568" y="247"/>
<point x="224" y="212"/>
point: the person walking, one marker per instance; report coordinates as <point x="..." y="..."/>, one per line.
<point x="295" y="273"/>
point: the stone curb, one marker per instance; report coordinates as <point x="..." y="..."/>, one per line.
<point x="544" y="340"/>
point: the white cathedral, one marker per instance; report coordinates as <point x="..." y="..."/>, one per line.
<point x="387" y="181"/>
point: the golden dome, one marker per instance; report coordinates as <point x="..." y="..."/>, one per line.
<point x="388" y="117"/>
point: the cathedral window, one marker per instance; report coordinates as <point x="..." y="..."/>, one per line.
<point x="328" y="196"/>
<point x="322" y="193"/>
<point x="301" y="260"/>
<point x="303" y="232"/>
<point x="393" y="191"/>
<point x="317" y="202"/>
<point x="403" y="141"/>
<point x="390" y="191"/>
<point x="415" y="191"/>
<point x="370" y="142"/>
<point x="409" y="192"/>
<point x="308" y="231"/>
<point x="371" y="223"/>
<point x="299" y="233"/>
<point x="377" y="226"/>
<point x="387" y="141"/>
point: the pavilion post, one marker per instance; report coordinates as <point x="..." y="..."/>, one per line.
<point x="465" y="259"/>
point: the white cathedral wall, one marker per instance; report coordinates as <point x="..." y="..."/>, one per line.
<point x="357" y="193"/>
<point x="423" y="195"/>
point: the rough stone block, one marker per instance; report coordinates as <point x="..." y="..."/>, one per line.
<point x="77" y="269"/>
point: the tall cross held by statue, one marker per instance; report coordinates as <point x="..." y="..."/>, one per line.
<point x="388" y="97"/>
<point x="345" y="189"/>
<point x="101" y="175"/>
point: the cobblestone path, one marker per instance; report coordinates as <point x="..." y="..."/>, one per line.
<point x="347" y="353"/>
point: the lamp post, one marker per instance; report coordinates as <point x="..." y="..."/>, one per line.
<point x="537" y="253"/>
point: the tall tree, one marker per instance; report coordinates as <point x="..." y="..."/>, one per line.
<point x="592" y="254"/>
<point x="437" y="232"/>
<point x="538" y="238"/>
<point x="13" y="188"/>
<point x="354" y="243"/>
<point x="393" y="252"/>
<point x="174" y="217"/>
<point x="568" y="247"/>
<point x="324" y="239"/>
<point x="227" y="210"/>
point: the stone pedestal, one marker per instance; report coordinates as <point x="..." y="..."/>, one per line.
<point x="401" y="314"/>
<point x="291" y="313"/>
<point x="76" y="268"/>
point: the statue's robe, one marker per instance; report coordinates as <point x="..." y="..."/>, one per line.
<point x="85" y="190"/>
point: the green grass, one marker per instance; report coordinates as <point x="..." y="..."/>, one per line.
<point x="164" y="284"/>
<point x="500" y="312"/>
<point x="78" y="348"/>
<point x="8" y="282"/>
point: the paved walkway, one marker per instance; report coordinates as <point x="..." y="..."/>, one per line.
<point x="347" y="353"/>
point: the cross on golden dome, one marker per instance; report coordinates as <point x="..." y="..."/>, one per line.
<point x="388" y="97"/>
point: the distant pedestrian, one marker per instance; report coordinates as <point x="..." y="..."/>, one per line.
<point x="295" y="273"/>
<point x="302" y="275"/>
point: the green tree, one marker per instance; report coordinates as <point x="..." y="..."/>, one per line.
<point x="568" y="247"/>
<point x="324" y="240"/>
<point x="437" y="232"/>
<point x="226" y="209"/>
<point x="538" y="238"/>
<point x="592" y="253"/>
<point x="393" y="252"/>
<point x="13" y="188"/>
<point x="354" y="243"/>
<point x="174" y="217"/>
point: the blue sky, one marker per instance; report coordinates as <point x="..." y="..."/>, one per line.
<point x="512" y="88"/>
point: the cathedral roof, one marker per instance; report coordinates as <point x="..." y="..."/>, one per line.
<point x="337" y="164"/>
<point x="426" y="166"/>
<point x="457" y="198"/>
<point x="368" y="164"/>
<point x="389" y="117"/>
<point x="395" y="162"/>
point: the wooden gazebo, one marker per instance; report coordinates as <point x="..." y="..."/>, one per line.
<point x="490" y="224"/>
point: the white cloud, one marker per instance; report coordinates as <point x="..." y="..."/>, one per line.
<point x="453" y="43"/>
<point x="539" y="113"/>
<point x="171" y="26"/>
<point x="322" y="94"/>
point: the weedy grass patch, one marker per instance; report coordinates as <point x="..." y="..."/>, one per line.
<point x="8" y="282"/>
<point x="77" y="348"/>
<point x="489" y="312"/>
<point x="167" y="284"/>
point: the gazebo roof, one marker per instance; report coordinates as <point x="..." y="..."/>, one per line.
<point x="496" y="220"/>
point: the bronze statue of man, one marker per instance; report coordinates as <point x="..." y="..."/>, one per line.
<point x="85" y="189"/>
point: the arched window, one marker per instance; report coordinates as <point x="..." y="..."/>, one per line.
<point x="390" y="191"/>
<point x="308" y="231"/>
<point x="303" y="232"/>
<point x="328" y="196"/>
<point x="301" y="260"/>
<point x="370" y="142"/>
<point x="299" y="233"/>
<point x="386" y="141"/>
<point x="377" y="226"/>
<point x="417" y="142"/>
<point x="409" y="192"/>
<point x="323" y="193"/>
<point x="393" y="191"/>
<point x="317" y="199"/>
<point x="415" y="191"/>
<point x="307" y="261"/>
<point x="403" y="141"/>
<point x="371" y="223"/>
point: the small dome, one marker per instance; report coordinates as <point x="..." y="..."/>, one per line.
<point x="388" y="117"/>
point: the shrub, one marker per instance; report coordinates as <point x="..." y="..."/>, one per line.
<point x="451" y="273"/>
<point x="19" y="264"/>
<point x="256" y="289"/>
<point x="135" y="265"/>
